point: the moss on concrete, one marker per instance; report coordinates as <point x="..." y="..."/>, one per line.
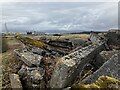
<point x="102" y="82"/>
<point x="33" y="42"/>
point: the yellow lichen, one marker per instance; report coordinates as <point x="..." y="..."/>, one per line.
<point x="32" y="42"/>
<point x="102" y="82"/>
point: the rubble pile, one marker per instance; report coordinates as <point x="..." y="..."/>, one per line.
<point x="69" y="66"/>
<point x="38" y="62"/>
<point x="54" y="65"/>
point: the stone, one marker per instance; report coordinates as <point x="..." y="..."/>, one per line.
<point x="38" y="51"/>
<point x="33" y="75"/>
<point x="28" y="58"/>
<point x="36" y="76"/>
<point x="15" y="82"/>
<point x="107" y="54"/>
<point x="22" y="71"/>
<point x="113" y="37"/>
<point x="95" y="38"/>
<point x="102" y="57"/>
<point x="69" y="66"/>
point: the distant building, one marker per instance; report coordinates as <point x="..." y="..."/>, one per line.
<point x="38" y="33"/>
<point x="29" y="33"/>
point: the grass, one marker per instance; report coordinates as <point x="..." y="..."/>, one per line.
<point x="8" y="61"/>
<point x="69" y="36"/>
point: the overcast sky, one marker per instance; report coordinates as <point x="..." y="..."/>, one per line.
<point x="24" y="16"/>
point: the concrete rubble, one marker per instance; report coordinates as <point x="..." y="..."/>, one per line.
<point x="51" y="68"/>
<point x="32" y="76"/>
<point x="94" y="38"/>
<point x="102" y="57"/>
<point x="109" y="68"/>
<point x="28" y="58"/>
<point x="15" y="82"/>
<point x="25" y="70"/>
<point x="69" y="66"/>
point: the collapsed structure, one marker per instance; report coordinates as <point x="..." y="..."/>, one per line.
<point x="86" y="64"/>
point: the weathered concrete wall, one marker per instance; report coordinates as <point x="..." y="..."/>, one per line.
<point x="15" y="82"/>
<point x="71" y="65"/>
<point x="109" y="68"/>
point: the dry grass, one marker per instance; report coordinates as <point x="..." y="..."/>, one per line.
<point x="69" y="36"/>
<point x="9" y="62"/>
<point x="33" y="42"/>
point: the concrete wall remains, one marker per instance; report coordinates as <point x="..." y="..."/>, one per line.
<point x="71" y="65"/>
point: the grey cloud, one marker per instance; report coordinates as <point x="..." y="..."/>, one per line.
<point x="60" y="16"/>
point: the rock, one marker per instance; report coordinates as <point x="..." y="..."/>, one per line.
<point x="110" y="68"/>
<point x="95" y="38"/>
<point x="102" y="57"/>
<point x="23" y="71"/>
<point x="15" y="82"/>
<point x="28" y="58"/>
<point x="38" y="51"/>
<point x="36" y="76"/>
<point x="31" y="75"/>
<point x="69" y="66"/>
<point x="113" y="37"/>
<point x="107" y="54"/>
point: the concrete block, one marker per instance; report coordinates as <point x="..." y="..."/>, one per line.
<point x="32" y="75"/>
<point x="28" y="58"/>
<point x="15" y="82"/>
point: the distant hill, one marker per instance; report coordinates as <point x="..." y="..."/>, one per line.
<point x="54" y="31"/>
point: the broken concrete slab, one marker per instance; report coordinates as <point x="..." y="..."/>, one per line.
<point x="28" y="58"/>
<point x="102" y="57"/>
<point x="71" y="65"/>
<point x="15" y="82"/>
<point x="60" y="43"/>
<point x="110" y="68"/>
